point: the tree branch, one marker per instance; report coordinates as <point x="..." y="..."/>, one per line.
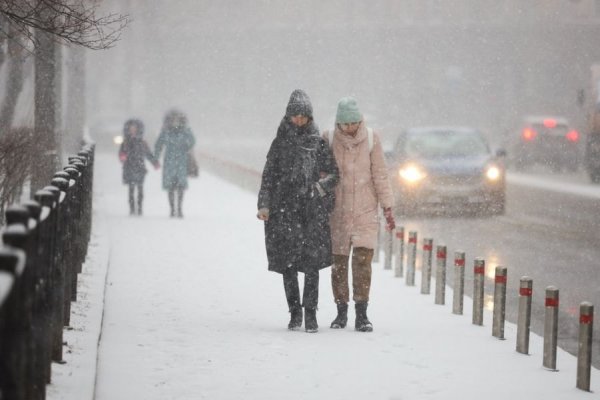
<point x="72" y="21"/>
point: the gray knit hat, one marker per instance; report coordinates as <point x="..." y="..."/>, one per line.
<point x="299" y="104"/>
<point x="347" y="111"/>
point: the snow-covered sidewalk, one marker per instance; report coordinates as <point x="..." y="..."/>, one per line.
<point x="191" y="312"/>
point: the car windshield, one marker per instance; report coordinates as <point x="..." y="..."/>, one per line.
<point x="444" y="144"/>
<point x="558" y="130"/>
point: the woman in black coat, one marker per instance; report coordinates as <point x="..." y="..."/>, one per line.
<point x="295" y="200"/>
<point x="132" y="153"/>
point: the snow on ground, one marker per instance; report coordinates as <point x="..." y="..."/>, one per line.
<point x="191" y="312"/>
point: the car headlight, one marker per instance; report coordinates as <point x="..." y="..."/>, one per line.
<point x="118" y="139"/>
<point x="411" y="173"/>
<point x="493" y="173"/>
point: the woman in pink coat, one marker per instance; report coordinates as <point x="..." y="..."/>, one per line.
<point x="363" y="187"/>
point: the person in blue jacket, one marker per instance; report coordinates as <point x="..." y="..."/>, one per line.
<point x="178" y="140"/>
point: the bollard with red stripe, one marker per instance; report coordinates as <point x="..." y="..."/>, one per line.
<point x="478" y="281"/>
<point x="440" y="275"/>
<point x="399" y="265"/>
<point x="584" y="355"/>
<point x="426" y="267"/>
<point x="499" y="302"/>
<point x="459" y="282"/>
<point x="551" y="328"/>
<point x="524" y="318"/>
<point x="411" y="258"/>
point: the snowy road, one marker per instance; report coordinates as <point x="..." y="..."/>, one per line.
<point x="192" y="313"/>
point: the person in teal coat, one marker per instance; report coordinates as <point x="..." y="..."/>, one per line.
<point x="177" y="139"/>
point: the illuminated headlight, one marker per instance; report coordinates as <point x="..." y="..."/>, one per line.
<point x="118" y="140"/>
<point x="492" y="173"/>
<point x="411" y="173"/>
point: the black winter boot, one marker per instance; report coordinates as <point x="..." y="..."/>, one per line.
<point x="295" y="318"/>
<point x="342" y="317"/>
<point x="310" y="320"/>
<point x="362" y="321"/>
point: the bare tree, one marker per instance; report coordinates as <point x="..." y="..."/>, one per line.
<point x="73" y="21"/>
<point x="14" y="83"/>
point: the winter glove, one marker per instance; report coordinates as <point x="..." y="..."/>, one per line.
<point x="123" y="157"/>
<point x="263" y="214"/>
<point x="390" y="224"/>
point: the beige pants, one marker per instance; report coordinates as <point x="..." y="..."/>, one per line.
<point x="361" y="276"/>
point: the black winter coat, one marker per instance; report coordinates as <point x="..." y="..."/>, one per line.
<point x="297" y="234"/>
<point x="135" y="150"/>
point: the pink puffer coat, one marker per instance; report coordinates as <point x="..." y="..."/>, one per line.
<point x="364" y="183"/>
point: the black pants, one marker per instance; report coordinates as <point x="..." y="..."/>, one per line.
<point x="140" y="197"/>
<point x="310" y="297"/>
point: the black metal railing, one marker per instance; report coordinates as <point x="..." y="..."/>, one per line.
<point x="45" y="243"/>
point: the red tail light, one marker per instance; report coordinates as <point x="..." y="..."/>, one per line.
<point x="573" y="136"/>
<point x="550" y="123"/>
<point x="529" y="134"/>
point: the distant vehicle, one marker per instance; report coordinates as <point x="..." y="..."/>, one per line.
<point x="548" y="141"/>
<point x="448" y="167"/>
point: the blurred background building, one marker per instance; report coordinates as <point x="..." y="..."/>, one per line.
<point x="232" y="64"/>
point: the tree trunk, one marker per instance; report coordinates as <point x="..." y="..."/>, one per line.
<point x="75" y="101"/>
<point x="14" y="83"/>
<point x="46" y="111"/>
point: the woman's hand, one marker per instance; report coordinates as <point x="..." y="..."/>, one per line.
<point x="263" y="214"/>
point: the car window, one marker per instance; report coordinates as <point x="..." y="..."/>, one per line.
<point x="559" y="129"/>
<point x="445" y="143"/>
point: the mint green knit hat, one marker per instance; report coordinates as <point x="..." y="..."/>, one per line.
<point x="347" y="111"/>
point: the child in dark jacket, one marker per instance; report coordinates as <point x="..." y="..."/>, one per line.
<point x="132" y="153"/>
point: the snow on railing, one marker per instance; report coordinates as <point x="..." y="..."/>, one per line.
<point x="45" y="245"/>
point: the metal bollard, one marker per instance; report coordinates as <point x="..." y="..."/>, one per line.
<point x="411" y="258"/>
<point x="426" y="267"/>
<point x="440" y="275"/>
<point x="524" y="318"/>
<point x="459" y="282"/>
<point x="478" y="280"/>
<point x="584" y="355"/>
<point x="399" y="266"/>
<point x="499" y="302"/>
<point x="551" y="328"/>
<point x="388" y="249"/>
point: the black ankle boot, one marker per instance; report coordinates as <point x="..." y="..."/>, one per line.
<point x="342" y="317"/>
<point x="362" y="321"/>
<point x="310" y="320"/>
<point x="295" y="318"/>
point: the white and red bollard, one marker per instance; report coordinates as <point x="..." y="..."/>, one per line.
<point x="478" y="286"/>
<point x="524" y="318"/>
<point x="411" y="258"/>
<point x="440" y="275"/>
<point x="426" y="267"/>
<point x="584" y="355"/>
<point x="551" y="328"/>
<point x="499" y="314"/>
<point x="459" y="282"/>
<point x="399" y="265"/>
